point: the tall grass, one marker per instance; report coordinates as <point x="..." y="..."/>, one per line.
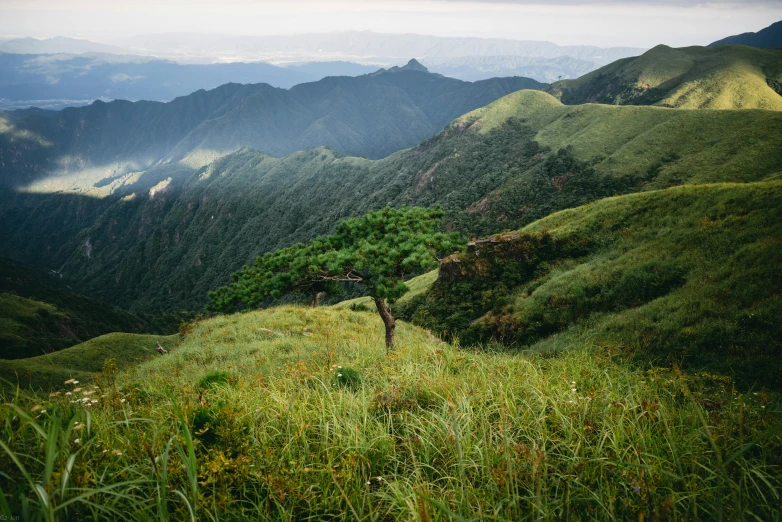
<point x="431" y="432"/>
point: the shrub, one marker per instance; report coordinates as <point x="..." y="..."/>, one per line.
<point x="347" y="378"/>
<point x="215" y="378"/>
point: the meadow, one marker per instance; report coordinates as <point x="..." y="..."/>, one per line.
<point x="294" y="413"/>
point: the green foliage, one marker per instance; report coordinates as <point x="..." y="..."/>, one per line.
<point x="347" y="378"/>
<point x="377" y="251"/>
<point x="215" y="378"/>
<point x="689" y="275"/>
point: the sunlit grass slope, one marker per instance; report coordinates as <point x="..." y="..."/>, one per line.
<point x="299" y="413"/>
<point x="721" y="77"/>
<point x="658" y="146"/>
<point x="689" y="275"/>
<point x="48" y="371"/>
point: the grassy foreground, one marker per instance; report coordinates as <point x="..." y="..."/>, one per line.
<point x="294" y="413"/>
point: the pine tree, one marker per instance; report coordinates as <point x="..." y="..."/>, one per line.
<point x="378" y="251"/>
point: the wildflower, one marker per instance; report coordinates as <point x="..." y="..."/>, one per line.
<point x="68" y="394"/>
<point x="122" y="400"/>
<point x="94" y="401"/>
<point x="75" y="382"/>
<point x="77" y="390"/>
<point x="116" y="452"/>
<point x="36" y="407"/>
<point x="55" y="394"/>
<point x="339" y="375"/>
<point x="78" y="427"/>
<point x="77" y="441"/>
<point x="88" y="393"/>
<point x="69" y="381"/>
<point x="44" y="411"/>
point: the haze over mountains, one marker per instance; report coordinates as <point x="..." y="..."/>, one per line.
<point x="56" y="81"/>
<point x="70" y="72"/>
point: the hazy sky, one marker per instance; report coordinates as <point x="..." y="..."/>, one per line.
<point x="605" y="23"/>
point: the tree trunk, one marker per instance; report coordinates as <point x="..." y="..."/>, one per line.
<point x="388" y="320"/>
<point x="315" y="299"/>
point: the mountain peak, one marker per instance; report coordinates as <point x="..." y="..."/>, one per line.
<point x="414" y="65"/>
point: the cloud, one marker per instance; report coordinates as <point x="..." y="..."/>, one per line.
<point x="636" y="23"/>
<point x="122" y="77"/>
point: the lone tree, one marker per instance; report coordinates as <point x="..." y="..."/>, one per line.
<point x="377" y="251"/>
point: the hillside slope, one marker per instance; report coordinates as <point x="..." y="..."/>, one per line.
<point x="721" y="77"/>
<point x="81" y="362"/>
<point x="40" y="314"/>
<point x="372" y="115"/>
<point x="498" y="168"/>
<point x="770" y="36"/>
<point x="690" y="275"/>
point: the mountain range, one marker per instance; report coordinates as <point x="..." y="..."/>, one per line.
<point x="56" y="81"/>
<point x="721" y="77"/>
<point x="179" y="231"/>
<point x="771" y="36"/>
<point x="370" y="115"/>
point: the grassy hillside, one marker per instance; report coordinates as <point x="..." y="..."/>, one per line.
<point x="297" y="413"/>
<point x="497" y="168"/>
<point x="688" y="275"/>
<point x="39" y="314"/>
<point x="722" y="77"/>
<point x="82" y="362"/>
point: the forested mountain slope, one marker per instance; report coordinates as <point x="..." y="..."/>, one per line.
<point x="721" y="77"/>
<point x="371" y="115"/>
<point x="497" y="168"/>
<point x="39" y="314"/>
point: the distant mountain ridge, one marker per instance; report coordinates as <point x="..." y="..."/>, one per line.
<point x="770" y="37"/>
<point x="371" y="115"/>
<point x="56" y="81"/>
<point x="56" y="45"/>
<point x="720" y="77"/>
